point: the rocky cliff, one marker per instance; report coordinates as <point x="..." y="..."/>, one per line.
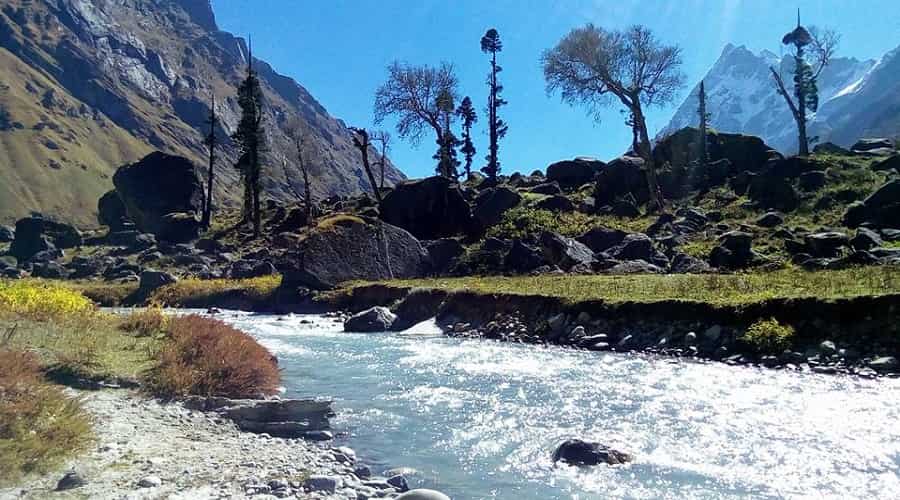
<point x="87" y="85"/>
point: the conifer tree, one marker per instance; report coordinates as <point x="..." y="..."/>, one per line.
<point x="704" y="119"/>
<point x="446" y="154"/>
<point x="466" y="112"/>
<point x="211" y="143"/>
<point x="490" y="44"/>
<point x="250" y="139"/>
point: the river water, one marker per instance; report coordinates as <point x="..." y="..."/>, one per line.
<point x="480" y="419"/>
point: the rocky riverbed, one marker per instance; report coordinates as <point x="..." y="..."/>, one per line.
<point x="147" y="449"/>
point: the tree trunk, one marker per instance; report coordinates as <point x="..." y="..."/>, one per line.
<point x="646" y="152"/>
<point x="207" y="203"/>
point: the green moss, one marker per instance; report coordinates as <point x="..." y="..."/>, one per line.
<point x="768" y="336"/>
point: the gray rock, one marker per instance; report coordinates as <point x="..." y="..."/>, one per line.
<point x="580" y="452"/>
<point x="399" y="482"/>
<point x="491" y="204"/>
<point x="70" y="480"/>
<point x="828" y="348"/>
<point x="423" y="494"/>
<point x="885" y="364"/>
<point x="574" y="173"/>
<point x="770" y="219"/>
<point x="565" y="252"/>
<point x="318" y="436"/>
<point x="151" y="279"/>
<point x="826" y="244"/>
<point x="7" y="234"/>
<point x="283" y="418"/>
<point x="362" y="471"/>
<point x="713" y="334"/>
<point x="327" y="484"/>
<point x="37" y="233"/>
<point x="429" y="209"/>
<point x="150" y="482"/>
<point x="375" y="319"/>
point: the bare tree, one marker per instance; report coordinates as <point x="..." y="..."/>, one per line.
<point x="305" y="150"/>
<point x="595" y="67"/>
<point x="383" y="138"/>
<point x="362" y="142"/>
<point x="821" y="46"/>
<point x="211" y="142"/>
<point x="411" y="93"/>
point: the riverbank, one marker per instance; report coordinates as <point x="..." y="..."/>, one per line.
<point x="145" y="448"/>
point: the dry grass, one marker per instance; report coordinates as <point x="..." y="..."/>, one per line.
<point x="717" y="289"/>
<point x="39" y="425"/>
<point x="207" y="357"/>
<point x="146" y="322"/>
<point x="205" y="291"/>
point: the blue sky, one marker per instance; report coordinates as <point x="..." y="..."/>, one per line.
<point x="338" y="50"/>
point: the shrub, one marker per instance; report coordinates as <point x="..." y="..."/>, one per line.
<point x="39" y="426"/>
<point x="145" y="322"/>
<point x="38" y="300"/>
<point x="521" y="222"/>
<point x="768" y="336"/>
<point x="207" y="357"/>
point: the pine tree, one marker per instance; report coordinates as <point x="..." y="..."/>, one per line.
<point x="490" y="44"/>
<point x="704" y="120"/>
<point x="210" y="142"/>
<point x="448" y="163"/>
<point x="466" y="112"/>
<point x="250" y="138"/>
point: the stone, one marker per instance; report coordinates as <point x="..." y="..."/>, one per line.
<point x="346" y="248"/>
<point x="556" y="203"/>
<point x="625" y="208"/>
<point x="770" y="219"/>
<point x="162" y="195"/>
<point x="375" y="319"/>
<point x="618" y="179"/>
<point x="885" y="364"/>
<point x="423" y="494"/>
<point x="111" y="211"/>
<point x="150" y="482"/>
<point x="318" y="436"/>
<point x="250" y="268"/>
<point x="886" y="165"/>
<point x="826" y="244"/>
<point x="866" y="239"/>
<point x="827" y="348"/>
<point x="327" y="484"/>
<point x="812" y="180"/>
<point x="282" y="418"/>
<point x="869" y="145"/>
<point x="638" y="246"/>
<point x="580" y="452"/>
<point x="636" y="266"/>
<point x="443" y="254"/>
<point x="429" y="209"/>
<point x="362" y="471"/>
<point x="7" y="234"/>
<point x="152" y="279"/>
<point x="38" y="233"/>
<point x="601" y="239"/>
<point x="774" y="191"/>
<point x="49" y="270"/>
<point x="565" y="252"/>
<point x="830" y="148"/>
<point x="547" y="188"/>
<point x="686" y="264"/>
<point x="492" y="203"/>
<point x="399" y="482"/>
<point x="522" y="258"/>
<point x="574" y="173"/>
<point x="879" y="208"/>
<point x="743" y="152"/>
<point x="70" y="480"/>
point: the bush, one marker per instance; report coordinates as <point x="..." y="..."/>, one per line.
<point x="521" y="222"/>
<point x="39" y="426"/>
<point x="39" y="301"/>
<point x="207" y="357"/>
<point x="145" y="322"/>
<point x="769" y="336"/>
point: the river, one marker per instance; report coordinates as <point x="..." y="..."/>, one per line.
<point x="480" y="419"/>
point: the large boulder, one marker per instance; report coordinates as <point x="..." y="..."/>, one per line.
<point x="38" y="233"/>
<point x="565" y="252"/>
<point x="638" y="246"/>
<point x="600" y="239"/>
<point x="580" y="452"/>
<point x="7" y="234"/>
<point x="886" y="165"/>
<point x="522" y="258"/>
<point x="620" y="178"/>
<point x="773" y="192"/>
<point x="443" y="253"/>
<point x="574" y="173"/>
<point x="880" y="208"/>
<point x="492" y="203"/>
<point x="344" y="248"/>
<point x="111" y="211"/>
<point x="375" y="319"/>
<point x="827" y="243"/>
<point x="429" y="208"/>
<point x="873" y="146"/>
<point x="162" y="195"/>
<point x="681" y="149"/>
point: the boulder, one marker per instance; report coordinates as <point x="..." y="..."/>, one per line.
<point x="686" y="264"/>
<point x="429" y="208"/>
<point x="557" y="203"/>
<point x="443" y="253"/>
<point x="812" y="180"/>
<point x="734" y="251"/>
<point x="548" y="188"/>
<point x="375" y="319"/>
<point x="522" y="258"/>
<point x="344" y="248"/>
<point x="111" y="211"/>
<point x="423" y="494"/>
<point x="826" y="244"/>
<point x="294" y="220"/>
<point x="625" y="208"/>
<point x="866" y="239"/>
<point x="873" y="146"/>
<point x="638" y="246"/>
<point x="70" y="480"/>
<point x="284" y="418"/>
<point x="134" y="241"/>
<point x="770" y="219"/>
<point x="885" y="364"/>
<point x="49" y="270"/>
<point x="38" y="233"/>
<point x="162" y="195"/>
<point x="250" y="268"/>
<point x="619" y="178"/>
<point x="773" y="191"/>
<point x="681" y="150"/>
<point x="574" y="173"/>
<point x="637" y="266"/>
<point x="7" y="234"/>
<point x="580" y="452"/>
<point x="880" y="208"/>
<point x="600" y="239"/>
<point x="830" y="148"/>
<point x="151" y="280"/>
<point x="886" y="165"/>
<point x="565" y="252"/>
<point x="492" y="203"/>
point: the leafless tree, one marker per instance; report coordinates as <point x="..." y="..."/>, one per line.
<point x="411" y="93"/>
<point x="305" y="149"/>
<point x="595" y="68"/>
<point x="383" y="139"/>
<point x="813" y="50"/>
<point x="362" y="142"/>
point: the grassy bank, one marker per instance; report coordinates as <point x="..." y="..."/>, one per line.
<point x="715" y="289"/>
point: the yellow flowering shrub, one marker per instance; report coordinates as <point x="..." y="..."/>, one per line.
<point x="39" y="300"/>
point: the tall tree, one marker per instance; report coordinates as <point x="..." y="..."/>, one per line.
<point x="497" y="128"/>
<point x="446" y="154"/>
<point x="250" y="138"/>
<point x="211" y="143"/>
<point x="592" y="66"/>
<point x="466" y="112"/>
<point x="362" y="142"/>
<point x="704" y="120"/>
<point x="305" y="150"/>
<point x="383" y="139"/>
<point x="807" y="68"/>
<point x="411" y="93"/>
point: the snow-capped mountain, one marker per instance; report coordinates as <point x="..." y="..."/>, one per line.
<point x="856" y="99"/>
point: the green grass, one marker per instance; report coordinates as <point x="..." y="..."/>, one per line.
<point x="768" y="336"/>
<point x="716" y="289"/>
<point x="523" y="221"/>
<point x="196" y="291"/>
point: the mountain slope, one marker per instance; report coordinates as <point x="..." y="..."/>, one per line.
<point x="86" y="85"/>
<point x="741" y="97"/>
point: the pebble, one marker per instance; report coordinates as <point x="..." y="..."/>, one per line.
<point x="70" y="480"/>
